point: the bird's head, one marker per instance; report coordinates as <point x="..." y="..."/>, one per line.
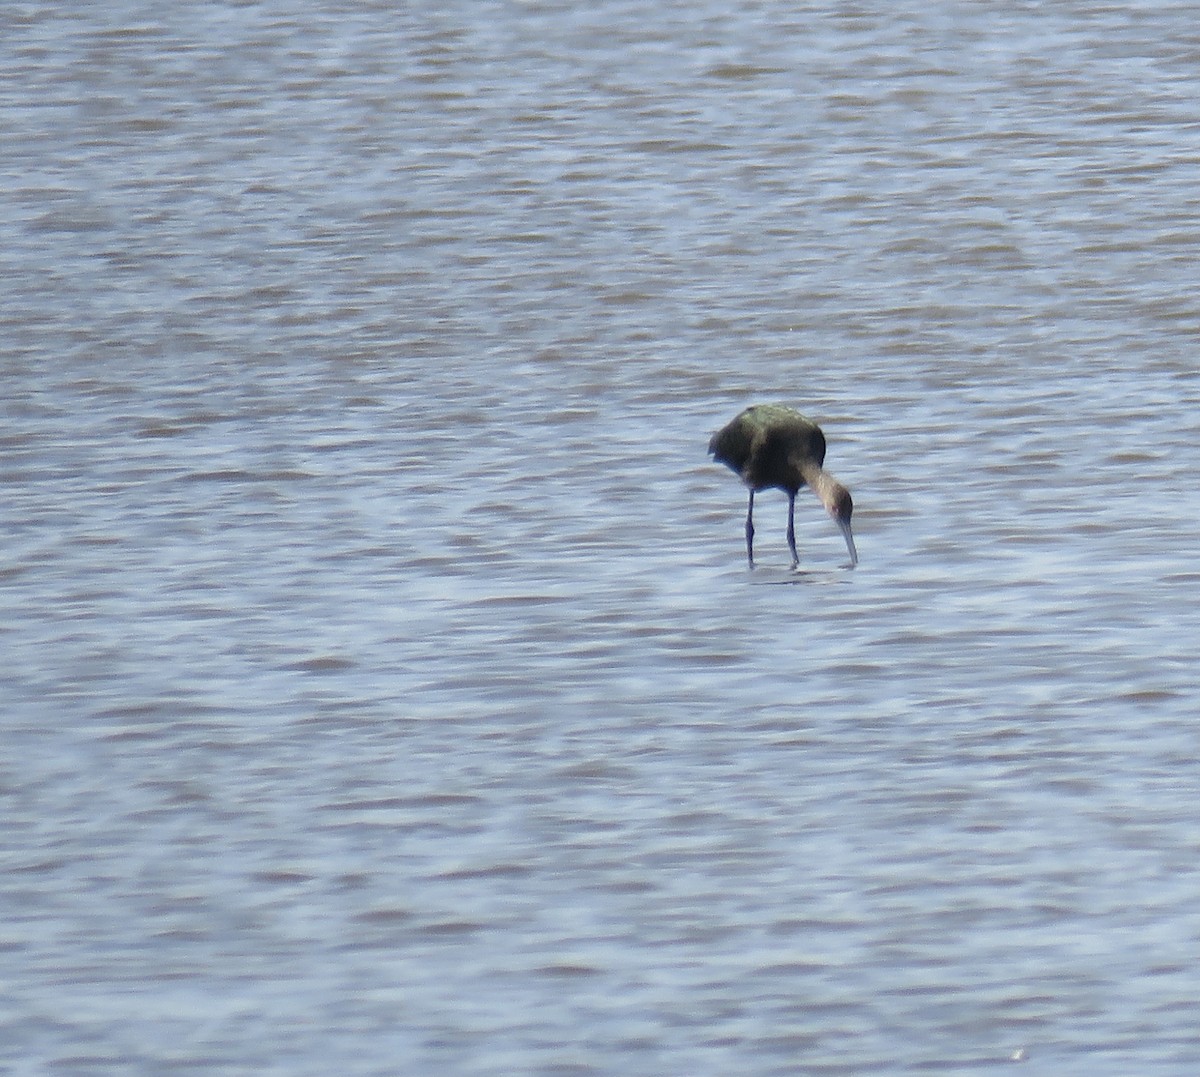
<point x="840" y="506"/>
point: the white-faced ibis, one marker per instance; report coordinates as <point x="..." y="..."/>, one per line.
<point x="770" y="445"/>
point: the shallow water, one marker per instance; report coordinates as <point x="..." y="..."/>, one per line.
<point x="385" y="691"/>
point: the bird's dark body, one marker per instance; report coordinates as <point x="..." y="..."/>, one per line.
<point x="763" y="443"/>
<point x="773" y="446"/>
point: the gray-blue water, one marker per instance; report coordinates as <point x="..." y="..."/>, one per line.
<point x="383" y="689"/>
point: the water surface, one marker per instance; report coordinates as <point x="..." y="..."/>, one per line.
<point x="384" y="688"/>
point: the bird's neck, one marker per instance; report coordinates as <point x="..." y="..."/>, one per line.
<point x="824" y="485"/>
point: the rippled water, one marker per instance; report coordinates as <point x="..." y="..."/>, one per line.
<point x="384" y="691"/>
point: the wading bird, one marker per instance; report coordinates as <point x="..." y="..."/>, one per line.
<point x="770" y="445"/>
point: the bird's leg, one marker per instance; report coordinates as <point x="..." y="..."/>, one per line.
<point x="792" y="529"/>
<point x="750" y="531"/>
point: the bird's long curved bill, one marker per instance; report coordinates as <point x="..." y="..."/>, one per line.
<point x="847" y="534"/>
